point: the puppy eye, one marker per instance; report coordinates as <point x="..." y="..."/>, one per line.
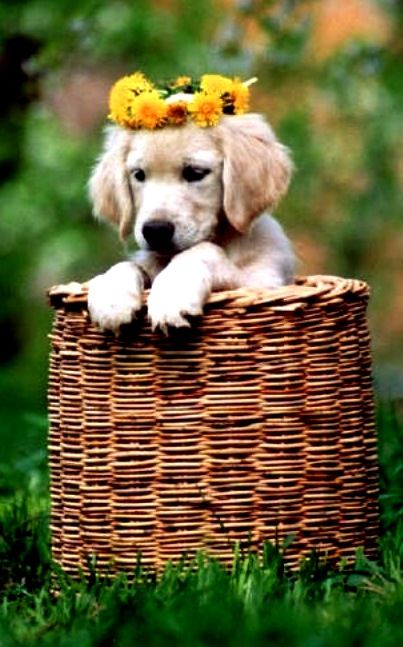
<point x="194" y="173"/>
<point x="139" y="175"/>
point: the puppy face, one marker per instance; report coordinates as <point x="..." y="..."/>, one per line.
<point x="170" y="187"/>
<point x="175" y="179"/>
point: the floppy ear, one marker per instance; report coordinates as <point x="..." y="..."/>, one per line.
<point x="109" y="186"/>
<point x="256" y="170"/>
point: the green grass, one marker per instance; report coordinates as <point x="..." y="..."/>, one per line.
<point x="257" y="602"/>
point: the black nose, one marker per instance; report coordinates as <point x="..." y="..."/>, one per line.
<point x="158" y="234"/>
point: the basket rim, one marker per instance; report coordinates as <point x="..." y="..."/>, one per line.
<point x="304" y="290"/>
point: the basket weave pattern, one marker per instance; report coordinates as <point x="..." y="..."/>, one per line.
<point x="254" y="425"/>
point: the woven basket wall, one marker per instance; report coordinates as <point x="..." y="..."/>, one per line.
<point x="255" y="425"/>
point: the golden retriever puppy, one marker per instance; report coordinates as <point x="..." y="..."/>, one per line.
<point x="195" y="200"/>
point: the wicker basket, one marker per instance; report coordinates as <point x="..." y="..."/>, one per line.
<point x="255" y="425"/>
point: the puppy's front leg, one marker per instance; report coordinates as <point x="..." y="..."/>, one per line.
<point x="115" y="297"/>
<point x="183" y="287"/>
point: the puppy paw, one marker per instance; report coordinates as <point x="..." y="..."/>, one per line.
<point x="170" y="308"/>
<point x="111" y="303"/>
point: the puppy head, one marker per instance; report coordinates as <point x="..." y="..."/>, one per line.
<point x="170" y="186"/>
<point x="162" y="185"/>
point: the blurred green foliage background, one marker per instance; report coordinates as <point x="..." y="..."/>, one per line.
<point x="331" y="84"/>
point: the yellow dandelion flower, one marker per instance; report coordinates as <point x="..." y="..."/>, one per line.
<point x="215" y="84"/>
<point x="122" y="95"/>
<point x="239" y="94"/>
<point x="206" y="109"/>
<point x="148" y="110"/>
<point x="177" y="113"/>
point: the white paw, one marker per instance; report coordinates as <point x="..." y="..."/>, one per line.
<point x="169" y="307"/>
<point x="111" y="303"/>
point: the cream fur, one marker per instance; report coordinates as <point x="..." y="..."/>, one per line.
<point x="222" y="237"/>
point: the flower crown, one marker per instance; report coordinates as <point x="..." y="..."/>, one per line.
<point x="134" y="101"/>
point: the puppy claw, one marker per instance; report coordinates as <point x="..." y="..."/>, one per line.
<point x="173" y="322"/>
<point x="116" y="323"/>
<point x="164" y="315"/>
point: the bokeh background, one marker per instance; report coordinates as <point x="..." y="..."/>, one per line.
<point x="330" y="82"/>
